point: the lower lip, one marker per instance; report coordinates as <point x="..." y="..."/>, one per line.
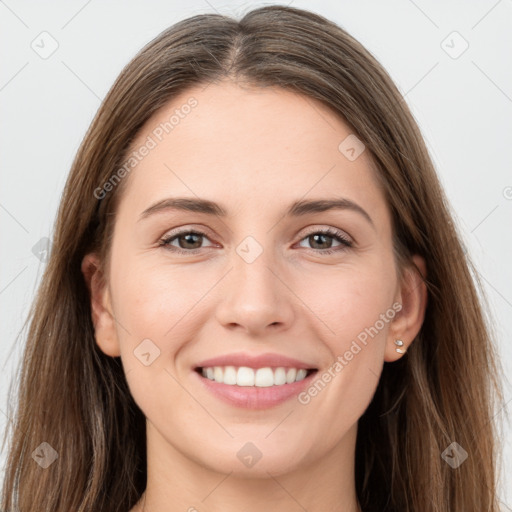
<point x="253" y="397"/>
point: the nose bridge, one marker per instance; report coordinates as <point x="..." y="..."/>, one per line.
<point x="253" y="281"/>
<point x="252" y="270"/>
<point x="253" y="297"/>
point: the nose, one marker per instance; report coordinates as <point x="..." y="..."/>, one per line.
<point x="256" y="297"/>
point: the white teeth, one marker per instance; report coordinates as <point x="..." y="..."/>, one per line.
<point x="230" y="375"/>
<point x="301" y="374"/>
<point x="290" y="375"/>
<point x="245" y="376"/>
<point x="218" y="374"/>
<point x="279" y="376"/>
<point x="262" y="377"/>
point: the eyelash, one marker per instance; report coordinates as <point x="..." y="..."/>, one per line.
<point x="337" y="235"/>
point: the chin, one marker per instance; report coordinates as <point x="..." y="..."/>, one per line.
<point x="253" y="459"/>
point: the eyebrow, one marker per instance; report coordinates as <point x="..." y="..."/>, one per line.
<point x="297" y="209"/>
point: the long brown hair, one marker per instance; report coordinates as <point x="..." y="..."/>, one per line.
<point x="75" y="398"/>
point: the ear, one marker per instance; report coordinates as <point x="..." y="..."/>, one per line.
<point x="412" y="295"/>
<point x="102" y="317"/>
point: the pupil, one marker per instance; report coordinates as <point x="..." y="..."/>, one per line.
<point x="315" y="237"/>
<point x="188" y="240"/>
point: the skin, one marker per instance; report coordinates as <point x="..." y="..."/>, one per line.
<point x="254" y="151"/>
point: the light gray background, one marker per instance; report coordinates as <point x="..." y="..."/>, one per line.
<point x="463" y="106"/>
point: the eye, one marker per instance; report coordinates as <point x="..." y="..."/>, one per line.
<point x="321" y="237"/>
<point x="189" y="241"/>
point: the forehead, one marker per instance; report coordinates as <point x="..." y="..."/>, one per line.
<point x="250" y="146"/>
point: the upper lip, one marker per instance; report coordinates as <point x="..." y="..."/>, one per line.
<point x="255" y="361"/>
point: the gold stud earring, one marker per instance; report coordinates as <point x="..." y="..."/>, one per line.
<point x="400" y="343"/>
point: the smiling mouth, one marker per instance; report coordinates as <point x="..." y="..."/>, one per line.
<point x="244" y="376"/>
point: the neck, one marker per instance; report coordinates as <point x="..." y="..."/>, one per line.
<point x="177" y="483"/>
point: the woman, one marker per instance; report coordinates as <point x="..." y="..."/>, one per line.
<point x="319" y="346"/>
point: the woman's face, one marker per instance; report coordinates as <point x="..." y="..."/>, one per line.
<point x="258" y="278"/>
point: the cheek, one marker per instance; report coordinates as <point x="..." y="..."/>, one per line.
<point x="152" y="299"/>
<point x="155" y="305"/>
<point x="349" y="300"/>
<point x="354" y="310"/>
